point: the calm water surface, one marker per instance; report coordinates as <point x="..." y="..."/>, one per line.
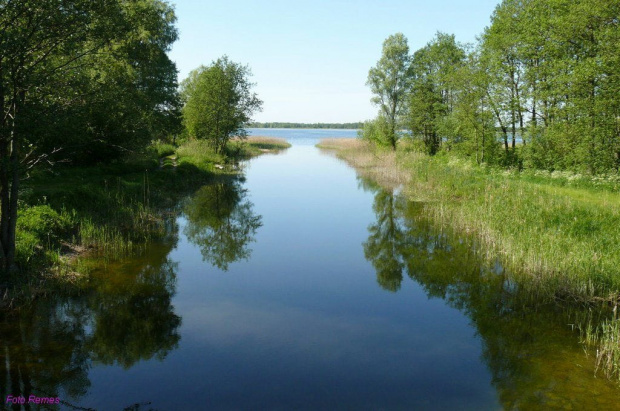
<point x="300" y="287"/>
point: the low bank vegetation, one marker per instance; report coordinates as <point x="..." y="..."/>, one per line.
<point x="560" y="232"/>
<point x="556" y="233"/>
<point x="111" y="210"/>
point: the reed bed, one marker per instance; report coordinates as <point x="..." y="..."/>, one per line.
<point x="267" y="142"/>
<point x="380" y="165"/>
<point x="560" y="242"/>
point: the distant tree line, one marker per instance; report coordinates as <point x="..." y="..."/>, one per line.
<point x="353" y="126"/>
<point x="540" y="89"/>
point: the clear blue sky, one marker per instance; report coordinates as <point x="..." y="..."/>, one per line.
<point x="310" y="59"/>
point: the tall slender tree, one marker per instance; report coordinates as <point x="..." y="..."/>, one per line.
<point x="389" y="80"/>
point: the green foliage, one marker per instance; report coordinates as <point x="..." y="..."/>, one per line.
<point x="162" y="149"/>
<point x="376" y="131"/>
<point x="434" y="92"/>
<point x="84" y="81"/>
<point x="127" y="87"/>
<point x="199" y="153"/>
<point x="543" y="81"/>
<point x="554" y="72"/>
<point x="219" y="102"/>
<point x="473" y="127"/>
<point x="389" y="80"/>
<point x="40" y="228"/>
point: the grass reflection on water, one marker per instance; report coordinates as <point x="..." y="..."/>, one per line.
<point x="535" y="358"/>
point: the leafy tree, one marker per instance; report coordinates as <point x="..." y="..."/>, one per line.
<point x="505" y="62"/>
<point x="73" y="73"/>
<point x="554" y="77"/>
<point x="389" y="80"/>
<point x="40" y="43"/>
<point x="376" y="131"/>
<point x="219" y="102"/>
<point x="475" y="132"/>
<point x="126" y="93"/>
<point x="434" y="92"/>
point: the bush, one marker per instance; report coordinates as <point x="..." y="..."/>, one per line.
<point x="38" y="228"/>
<point x="162" y="149"/>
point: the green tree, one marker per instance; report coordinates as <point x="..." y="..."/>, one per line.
<point x="503" y="51"/>
<point x="219" y="102"/>
<point x="554" y="79"/>
<point x="376" y="131"/>
<point x="434" y="90"/>
<point x="122" y="97"/>
<point x="40" y="42"/>
<point x="389" y="80"/>
<point x="74" y="73"/>
<point x="475" y="132"/>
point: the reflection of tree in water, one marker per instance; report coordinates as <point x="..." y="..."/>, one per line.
<point x="125" y="313"/>
<point x="385" y="239"/>
<point x="123" y="316"/>
<point x="42" y="350"/>
<point x="221" y="222"/>
<point x="135" y="321"/>
<point x="526" y="343"/>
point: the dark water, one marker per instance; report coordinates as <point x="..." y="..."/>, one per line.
<point x="301" y="287"/>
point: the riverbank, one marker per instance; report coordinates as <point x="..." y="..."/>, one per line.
<point x="556" y="234"/>
<point x="109" y="211"/>
<point x="560" y="235"/>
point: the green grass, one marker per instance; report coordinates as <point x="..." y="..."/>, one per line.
<point x="565" y="239"/>
<point x="108" y="211"/>
<point x="257" y="145"/>
<point x="558" y="235"/>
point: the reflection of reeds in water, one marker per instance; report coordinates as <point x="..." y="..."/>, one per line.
<point x="558" y="242"/>
<point x="601" y="329"/>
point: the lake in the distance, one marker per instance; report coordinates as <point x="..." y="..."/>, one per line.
<point x="303" y="136"/>
<point x="300" y="286"/>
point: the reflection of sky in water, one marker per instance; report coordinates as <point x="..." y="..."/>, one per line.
<point x="303" y="323"/>
<point x="300" y="318"/>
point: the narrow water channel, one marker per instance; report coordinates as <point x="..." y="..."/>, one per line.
<point x="300" y="286"/>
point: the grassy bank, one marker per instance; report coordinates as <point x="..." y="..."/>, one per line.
<point x="560" y="236"/>
<point x="557" y="234"/>
<point x="109" y="211"/>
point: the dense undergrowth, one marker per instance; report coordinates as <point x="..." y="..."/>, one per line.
<point x="109" y="210"/>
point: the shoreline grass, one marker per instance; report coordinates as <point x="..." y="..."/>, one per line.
<point x="256" y="145"/>
<point x="565" y="238"/>
<point x="558" y="236"/>
<point x="109" y="211"/>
